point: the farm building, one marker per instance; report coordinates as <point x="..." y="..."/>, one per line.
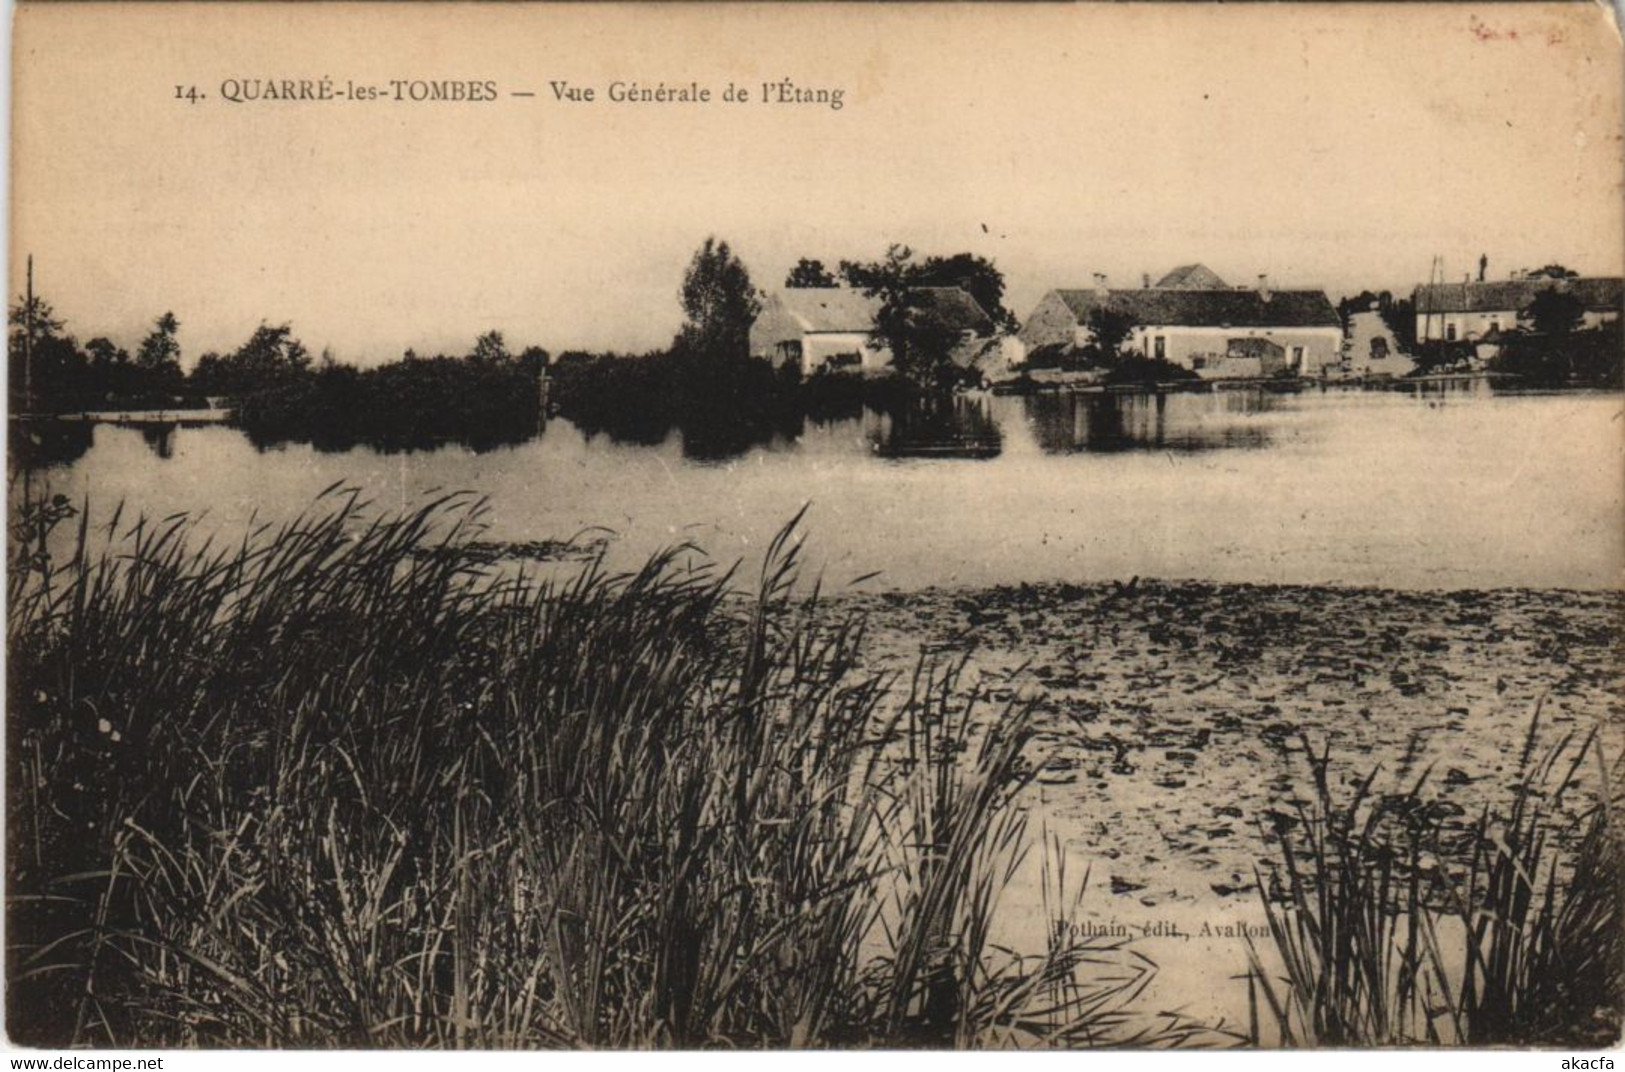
<point x="1193" y="318"/>
<point x="1470" y="312"/>
<point x="831" y="327"/>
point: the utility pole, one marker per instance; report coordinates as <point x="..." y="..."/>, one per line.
<point x="1435" y="277"/>
<point x="28" y="340"/>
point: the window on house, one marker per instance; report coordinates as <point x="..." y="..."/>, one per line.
<point x="1297" y="357"/>
<point x="845" y="360"/>
<point x="1379" y="348"/>
<point x="1450" y="332"/>
<point x="1199" y="361"/>
<point x="1160" y="347"/>
<point x="789" y="350"/>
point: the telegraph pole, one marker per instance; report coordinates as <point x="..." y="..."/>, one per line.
<point x="28" y="340"/>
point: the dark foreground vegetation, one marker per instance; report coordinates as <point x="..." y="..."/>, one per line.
<point x="334" y="785"/>
<point x="1401" y="922"/>
<point x="345" y="783"/>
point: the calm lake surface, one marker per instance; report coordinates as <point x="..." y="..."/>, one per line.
<point x="1463" y="489"/>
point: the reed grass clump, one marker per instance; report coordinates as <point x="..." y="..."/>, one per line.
<point x="1393" y="924"/>
<point x="338" y="784"/>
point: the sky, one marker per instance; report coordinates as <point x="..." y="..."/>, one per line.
<point x="1337" y="146"/>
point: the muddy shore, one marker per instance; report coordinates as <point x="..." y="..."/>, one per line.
<point x="1174" y="716"/>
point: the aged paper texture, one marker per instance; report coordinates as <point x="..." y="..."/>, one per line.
<point x="814" y="526"/>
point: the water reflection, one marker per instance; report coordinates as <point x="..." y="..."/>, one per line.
<point x="160" y="437"/>
<point x="895" y="425"/>
<point x="705" y="437"/>
<point x="1066" y="423"/>
<point x="1353" y="487"/>
<point x="1453" y="389"/>
<point x="47" y="444"/>
<point x="340" y="435"/>
<point x="958" y="427"/>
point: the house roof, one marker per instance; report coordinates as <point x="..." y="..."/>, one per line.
<point x="1159" y="306"/>
<point x="1514" y="295"/>
<point x="842" y="309"/>
<point x="950" y="308"/>
<point x="827" y="308"/>
<point x="1192" y="277"/>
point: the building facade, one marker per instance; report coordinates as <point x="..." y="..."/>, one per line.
<point x="831" y="328"/>
<point x="1203" y="324"/>
<point x="1471" y="312"/>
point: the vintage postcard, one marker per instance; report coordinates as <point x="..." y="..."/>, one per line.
<point x="815" y="526"/>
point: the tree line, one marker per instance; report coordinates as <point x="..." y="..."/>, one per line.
<point x="277" y="390"/>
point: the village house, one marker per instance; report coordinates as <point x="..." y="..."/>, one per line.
<point x="832" y="327"/>
<point x="1195" y="319"/>
<point x="1481" y="311"/>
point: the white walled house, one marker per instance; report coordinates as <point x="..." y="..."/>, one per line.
<point x="831" y="328"/>
<point x="817" y="327"/>
<point x="1470" y="312"/>
<point x="1211" y="328"/>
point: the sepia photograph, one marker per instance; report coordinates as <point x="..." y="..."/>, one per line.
<point x="815" y="526"/>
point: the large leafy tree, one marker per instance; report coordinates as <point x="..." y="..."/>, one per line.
<point x="160" y="348"/>
<point x="159" y="355"/>
<point x="270" y="357"/>
<point x="1554" y="312"/>
<point x="810" y="274"/>
<point x="34" y="316"/>
<point x="977" y="276"/>
<point x="719" y="303"/>
<point x="106" y="354"/>
<point x="47" y="368"/>
<point x="491" y="348"/>
<point x="920" y="345"/>
<point x="1109" y="330"/>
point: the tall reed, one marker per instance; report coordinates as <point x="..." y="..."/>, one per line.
<point x="1390" y="929"/>
<point x="336" y="784"/>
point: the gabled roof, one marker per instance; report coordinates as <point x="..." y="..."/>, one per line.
<point x="844" y="310"/>
<point x="949" y="308"/>
<point x="1162" y="307"/>
<point x="1192" y="277"/>
<point x="1514" y="295"/>
<point x="838" y="309"/>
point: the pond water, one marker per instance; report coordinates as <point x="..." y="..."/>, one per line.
<point x="1463" y="489"/>
<point x="1167" y="746"/>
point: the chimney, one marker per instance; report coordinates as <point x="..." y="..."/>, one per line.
<point x="1264" y="286"/>
<point x="1145" y="280"/>
<point x="1100" y="282"/>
